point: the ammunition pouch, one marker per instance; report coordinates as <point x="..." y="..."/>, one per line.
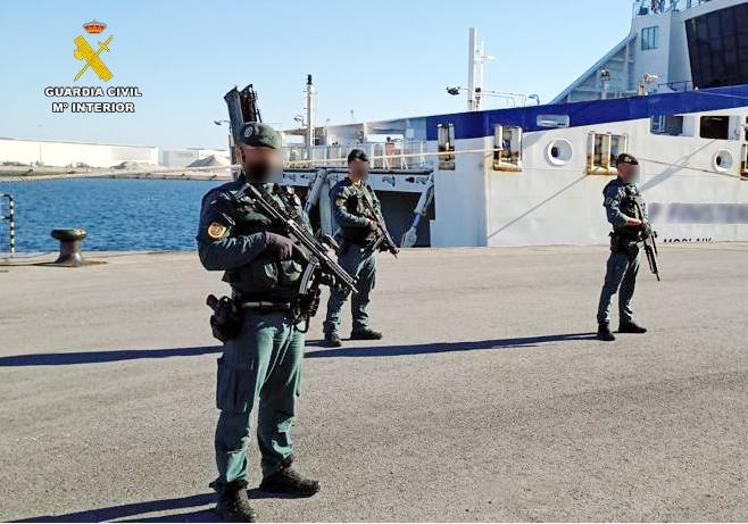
<point x="226" y="320"/>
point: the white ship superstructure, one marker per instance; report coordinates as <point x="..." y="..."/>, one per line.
<point x="674" y="93"/>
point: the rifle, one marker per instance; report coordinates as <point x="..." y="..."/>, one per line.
<point x="384" y="240"/>
<point x="648" y="239"/>
<point x="321" y="267"/>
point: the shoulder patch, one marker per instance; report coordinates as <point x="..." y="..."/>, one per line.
<point x="217" y="231"/>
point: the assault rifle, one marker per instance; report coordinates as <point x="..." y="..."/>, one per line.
<point x="321" y="267"/>
<point x="384" y="239"/>
<point x="650" y="247"/>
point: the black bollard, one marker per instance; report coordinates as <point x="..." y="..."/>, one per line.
<point x="70" y="247"/>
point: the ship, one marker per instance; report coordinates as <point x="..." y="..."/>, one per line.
<point x="673" y="93"/>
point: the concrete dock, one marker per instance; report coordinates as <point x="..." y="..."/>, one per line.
<point x="487" y="400"/>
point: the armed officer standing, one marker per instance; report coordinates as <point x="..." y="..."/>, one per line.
<point x="627" y="213"/>
<point x="261" y="363"/>
<point x="357" y="211"/>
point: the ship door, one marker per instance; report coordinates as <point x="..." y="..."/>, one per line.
<point x="446" y="138"/>
<point x="602" y="150"/>
<point x="507" y="148"/>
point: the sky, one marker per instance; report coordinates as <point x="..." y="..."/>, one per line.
<point x="380" y="59"/>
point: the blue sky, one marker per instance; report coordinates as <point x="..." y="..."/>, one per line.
<point x="381" y="59"/>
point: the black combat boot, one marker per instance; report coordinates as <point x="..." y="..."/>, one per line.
<point x="630" y="327"/>
<point x="365" y="334"/>
<point x="287" y="481"/>
<point x="603" y="333"/>
<point x="233" y="503"/>
<point x="332" y="340"/>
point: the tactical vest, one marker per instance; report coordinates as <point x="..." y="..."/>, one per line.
<point x="631" y="203"/>
<point x="355" y="205"/>
<point x="265" y="278"/>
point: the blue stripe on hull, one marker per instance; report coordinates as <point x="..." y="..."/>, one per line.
<point x="481" y="124"/>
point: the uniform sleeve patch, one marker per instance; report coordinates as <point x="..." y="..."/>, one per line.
<point x="217" y="231"/>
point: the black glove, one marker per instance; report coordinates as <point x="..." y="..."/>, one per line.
<point x="282" y="247"/>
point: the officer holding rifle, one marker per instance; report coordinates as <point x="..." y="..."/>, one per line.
<point x="257" y="233"/>
<point x="627" y="213"/>
<point x="358" y="212"/>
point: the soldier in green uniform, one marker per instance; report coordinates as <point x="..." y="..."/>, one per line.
<point x="358" y="256"/>
<point x="261" y="367"/>
<point x="627" y="213"/>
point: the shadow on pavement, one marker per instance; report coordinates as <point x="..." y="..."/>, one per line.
<point x="139" y="508"/>
<point x="132" y="512"/>
<point x="93" y="357"/>
<point x="444" y="347"/>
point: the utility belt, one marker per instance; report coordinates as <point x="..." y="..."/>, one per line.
<point x="228" y="313"/>
<point x="625" y="242"/>
<point x="260" y="302"/>
<point x="366" y="245"/>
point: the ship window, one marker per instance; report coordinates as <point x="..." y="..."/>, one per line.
<point x="718" y="47"/>
<point x="717" y="127"/>
<point x="603" y="149"/>
<point x="446" y="137"/>
<point x="507" y="148"/>
<point x="552" y="121"/>
<point x="617" y="146"/>
<point x="671" y="125"/>
<point x="559" y="152"/>
<point x="723" y="161"/>
<point x="649" y="38"/>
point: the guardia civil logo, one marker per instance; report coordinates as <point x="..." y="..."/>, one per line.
<point x="84" y="51"/>
<point x="90" y="54"/>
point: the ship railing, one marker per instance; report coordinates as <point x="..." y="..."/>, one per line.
<point x="679" y="86"/>
<point x="394" y="155"/>
<point x="655" y="7"/>
<point x="8" y="214"/>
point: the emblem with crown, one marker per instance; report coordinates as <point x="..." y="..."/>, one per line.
<point x="94" y="27"/>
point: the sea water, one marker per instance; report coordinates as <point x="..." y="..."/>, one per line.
<point x="117" y="214"/>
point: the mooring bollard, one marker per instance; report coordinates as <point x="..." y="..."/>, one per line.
<point x="70" y="247"/>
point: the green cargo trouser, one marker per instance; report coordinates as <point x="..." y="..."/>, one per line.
<point x="362" y="265"/>
<point x="262" y="365"/>
<point x="622" y="270"/>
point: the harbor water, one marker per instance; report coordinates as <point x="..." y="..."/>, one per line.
<point x="117" y="214"/>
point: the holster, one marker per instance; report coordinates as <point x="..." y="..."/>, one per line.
<point x="226" y="320"/>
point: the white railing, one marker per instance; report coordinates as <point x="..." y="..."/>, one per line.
<point x="396" y="155"/>
<point x="655" y="7"/>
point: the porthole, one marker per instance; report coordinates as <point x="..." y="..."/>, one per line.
<point x="559" y="152"/>
<point x="723" y="161"/>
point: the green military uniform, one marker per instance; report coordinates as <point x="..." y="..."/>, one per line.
<point x="357" y="254"/>
<point x="622" y="201"/>
<point x="262" y="365"/>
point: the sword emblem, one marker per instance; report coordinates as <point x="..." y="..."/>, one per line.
<point x="84" y="51"/>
